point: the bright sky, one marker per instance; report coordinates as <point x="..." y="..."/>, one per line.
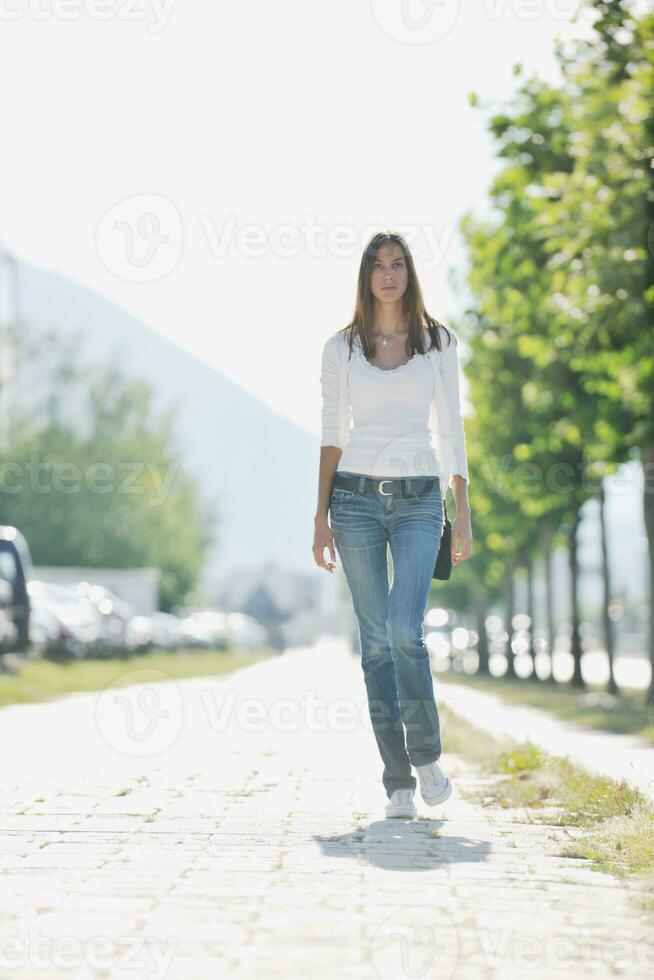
<point x="215" y="168"/>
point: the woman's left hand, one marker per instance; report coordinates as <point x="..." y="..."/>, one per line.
<point x="461" y="531"/>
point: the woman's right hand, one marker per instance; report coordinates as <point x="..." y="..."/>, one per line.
<point x="323" y="537"/>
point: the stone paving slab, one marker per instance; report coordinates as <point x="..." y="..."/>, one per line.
<point x="257" y="846"/>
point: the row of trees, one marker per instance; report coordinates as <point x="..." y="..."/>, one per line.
<point x="560" y="320"/>
<point x="90" y="472"/>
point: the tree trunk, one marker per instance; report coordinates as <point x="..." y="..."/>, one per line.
<point x="510" y="609"/>
<point x="482" y="643"/>
<point x="530" y="613"/>
<point x="575" y="638"/>
<point x="606" y="581"/>
<point x="549" y="603"/>
<point x="648" y="511"/>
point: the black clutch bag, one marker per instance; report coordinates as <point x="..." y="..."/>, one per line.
<point x="443" y="565"/>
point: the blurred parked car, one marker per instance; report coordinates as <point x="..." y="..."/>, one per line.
<point x="63" y="623"/>
<point x="138" y="634"/>
<point x="15" y="570"/>
<point x="205" y="628"/>
<point x="167" y="631"/>
<point x="115" y="615"/>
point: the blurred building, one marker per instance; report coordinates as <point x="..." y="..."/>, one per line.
<point x="295" y="607"/>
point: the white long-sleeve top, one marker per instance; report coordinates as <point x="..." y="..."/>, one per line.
<point x="389" y="420"/>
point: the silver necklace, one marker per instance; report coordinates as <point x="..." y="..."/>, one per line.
<point x="386" y="337"/>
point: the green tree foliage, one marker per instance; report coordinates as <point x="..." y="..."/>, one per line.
<point x="562" y="283"/>
<point x="91" y="476"/>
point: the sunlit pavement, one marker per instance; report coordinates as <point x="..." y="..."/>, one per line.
<point x="605" y="753"/>
<point x="235" y="827"/>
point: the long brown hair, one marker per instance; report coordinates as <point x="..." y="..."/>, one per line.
<point x="414" y="305"/>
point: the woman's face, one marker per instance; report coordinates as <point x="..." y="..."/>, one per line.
<point x="389" y="276"/>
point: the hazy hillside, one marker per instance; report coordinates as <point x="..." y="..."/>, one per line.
<point x="260" y="467"/>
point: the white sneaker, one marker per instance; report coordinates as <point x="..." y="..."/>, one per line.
<point x="435" y="786"/>
<point x="401" y="804"/>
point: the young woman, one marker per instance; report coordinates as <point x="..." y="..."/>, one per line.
<point x="393" y="372"/>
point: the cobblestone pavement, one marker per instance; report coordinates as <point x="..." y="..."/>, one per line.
<point x="235" y="827"/>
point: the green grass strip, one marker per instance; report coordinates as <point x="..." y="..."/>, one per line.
<point x="41" y="680"/>
<point x="614" y="822"/>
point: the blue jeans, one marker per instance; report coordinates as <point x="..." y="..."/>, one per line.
<point x="394" y="658"/>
